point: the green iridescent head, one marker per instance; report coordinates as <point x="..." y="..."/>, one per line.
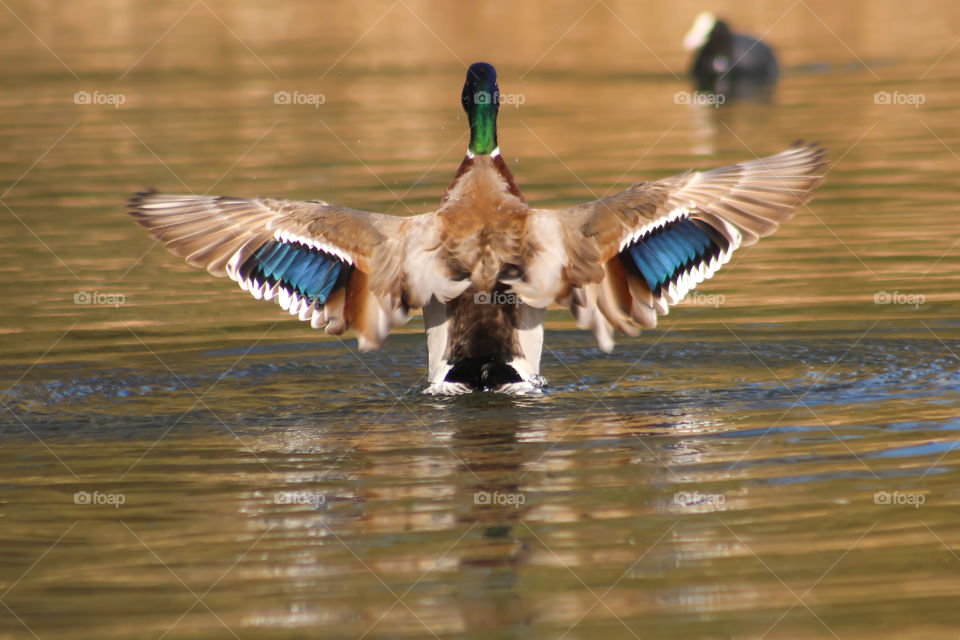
<point x="481" y="101"/>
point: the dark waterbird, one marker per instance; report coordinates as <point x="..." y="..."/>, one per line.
<point x="727" y="63"/>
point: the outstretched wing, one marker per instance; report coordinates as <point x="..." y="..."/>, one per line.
<point x="335" y="267"/>
<point x="633" y="254"/>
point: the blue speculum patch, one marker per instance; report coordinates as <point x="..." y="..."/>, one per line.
<point x="301" y="269"/>
<point x="671" y="250"/>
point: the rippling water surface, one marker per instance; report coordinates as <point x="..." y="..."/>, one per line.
<point x="776" y="460"/>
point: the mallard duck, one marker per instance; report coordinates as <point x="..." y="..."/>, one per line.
<point x="485" y="265"/>
<point x="728" y="62"/>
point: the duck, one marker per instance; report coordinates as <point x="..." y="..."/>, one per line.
<point x="485" y="265"/>
<point x="726" y="62"/>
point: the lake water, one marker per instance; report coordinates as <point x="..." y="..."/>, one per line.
<point x="177" y="460"/>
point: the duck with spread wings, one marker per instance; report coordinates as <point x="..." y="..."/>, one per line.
<point x="485" y="265"/>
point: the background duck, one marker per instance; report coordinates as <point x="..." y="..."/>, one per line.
<point x="485" y="266"/>
<point x="728" y="63"/>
